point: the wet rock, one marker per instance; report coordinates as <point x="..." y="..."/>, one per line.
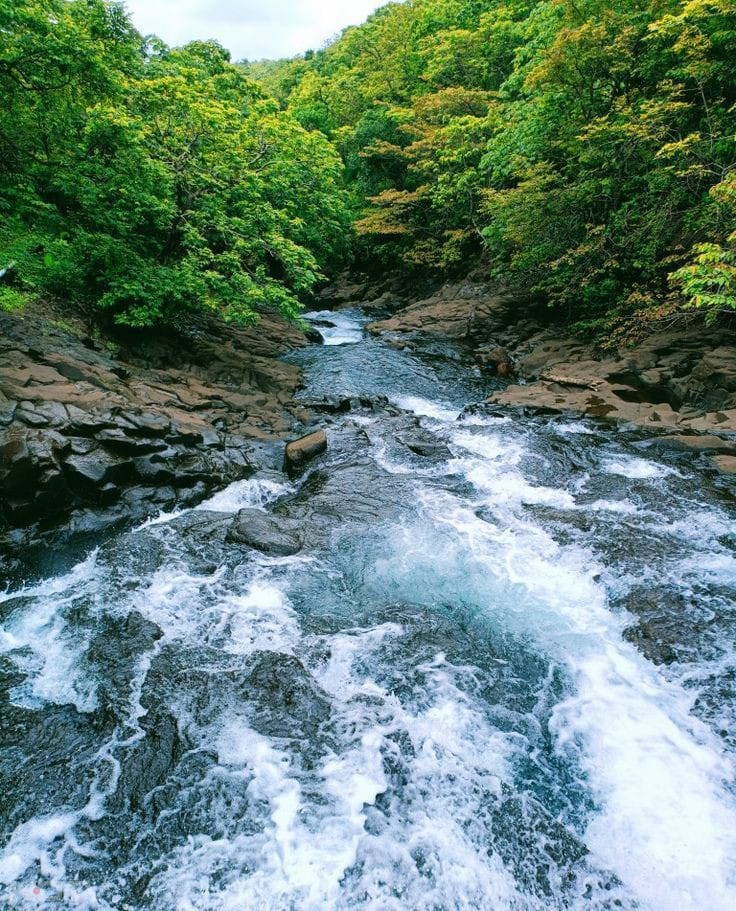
<point x="202" y="523"/>
<point x="46" y="756"/>
<point x="314" y="336"/>
<point x="285" y="700"/>
<point x="150" y="761"/>
<point x="495" y="358"/>
<point x="358" y="492"/>
<point x="118" y="441"/>
<point x="7" y="411"/>
<point x="129" y="558"/>
<point x="335" y="404"/>
<point x="271" y="534"/>
<point x="682" y="442"/>
<point x="668" y="626"/>
<point x="303" y="450"/>
<point x="424" y="444"/>
<point x="534" y="845"/>
<point x="114" y="653"/>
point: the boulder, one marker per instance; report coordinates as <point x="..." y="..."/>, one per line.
<point x="314" y="336"/>
<point x="89" y="474"/>
<point x="356" y="493"/>
<point x="423" y="444"/>
<point x="285" y="701"/>
<point x="495" y="358"/>
<point x="279" y="536"/>
<point x="303" y="450"/>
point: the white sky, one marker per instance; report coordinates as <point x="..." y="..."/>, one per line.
<point x="251" y="29"/>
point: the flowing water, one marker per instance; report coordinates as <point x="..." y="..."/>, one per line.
<point x="504" y="678"/>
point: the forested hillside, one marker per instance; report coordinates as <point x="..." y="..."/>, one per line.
<point x="587" y="147"/>
<point x="147" y="183"/>
<point x="583" y="151"/>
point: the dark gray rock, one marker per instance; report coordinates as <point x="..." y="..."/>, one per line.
<point x="265" y="532"/>
<point x="285" y="700"/>
<point x="424" y="444"/>
<point x="355" y="493"/>
<point x="150" y="761"/>
<point x="114" y="653"/>
<point x="97" y="474"/>
<point x="118" y="441"/>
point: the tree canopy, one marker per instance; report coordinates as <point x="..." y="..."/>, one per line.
<point x="587" y="148"/>
<point x="149" y="183"/>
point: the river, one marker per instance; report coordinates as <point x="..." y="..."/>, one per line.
<point x="500" y="676"/>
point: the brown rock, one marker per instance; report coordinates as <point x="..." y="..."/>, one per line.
<point x="494" y="357"/>
<point x="458" y="311"/>
<point x="697" y="442"/>
<point x="726" y="464"/>
<point x="301" y="451"/>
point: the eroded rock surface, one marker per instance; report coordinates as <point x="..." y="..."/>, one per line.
<point x="93" y="436"/>
<point x="682" y="377"/>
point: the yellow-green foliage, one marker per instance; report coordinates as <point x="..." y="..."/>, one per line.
<point x="12" y="300"/>
<point x="587" y="147"/>
<point x="577" y="143"/>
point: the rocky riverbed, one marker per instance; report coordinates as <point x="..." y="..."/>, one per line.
<point x="96" y="435"/>
<point x="679" y="381"/>
<point x="465" y="657"/>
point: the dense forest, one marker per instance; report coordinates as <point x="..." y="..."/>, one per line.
<point x="148" y="183"/>
<point x="585" y="151"/>
<point x="588" y="147"/>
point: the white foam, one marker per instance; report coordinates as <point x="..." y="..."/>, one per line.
<point x="572" y="427"/>
<point x="31" y="842"/>
<point x="260" y="619"/>
<point x="44" y="647"/>
<point x="345" y="329"/>
<point x="426" y="408"/>
<point x="296" y="860"/>
<point x="494" y="471"/>
<point x="666" y="820"/>
<point x="635" y="468"/>
<point x="666" y="824"/>
<point x="251" y="493"/>
<point x="316" y="855"/>
<point x="622" y="507"/>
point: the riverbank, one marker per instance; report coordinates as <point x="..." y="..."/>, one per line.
<point x="97" y="435"/>
<point x="679" y="378"/>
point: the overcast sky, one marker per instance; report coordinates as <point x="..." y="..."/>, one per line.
<point x="251" y="29"/>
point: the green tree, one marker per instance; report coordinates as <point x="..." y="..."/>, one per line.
<point x="149" y="183"/>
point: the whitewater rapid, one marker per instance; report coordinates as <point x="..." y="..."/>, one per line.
<point x="510" y="689"/>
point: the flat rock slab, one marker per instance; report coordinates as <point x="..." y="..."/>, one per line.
<point x="614" y="401"/>
<point x="691" y="442"/>
<point x="726" y="464"/>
